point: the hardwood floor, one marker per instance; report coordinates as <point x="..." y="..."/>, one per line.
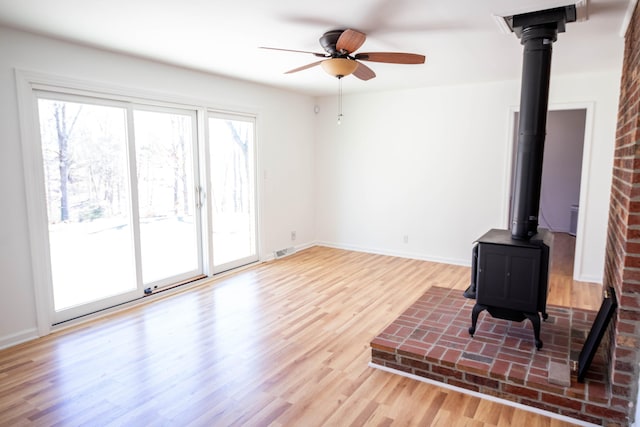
<point x="563" y="290"/>
<point x="285" y="343"/>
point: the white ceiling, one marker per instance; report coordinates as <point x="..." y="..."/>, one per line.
<point x="461" y="39"/>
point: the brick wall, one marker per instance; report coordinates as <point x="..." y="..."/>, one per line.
<point x="622" y="264"/>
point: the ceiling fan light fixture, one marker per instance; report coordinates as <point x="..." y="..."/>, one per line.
<point x="339" y="67"/>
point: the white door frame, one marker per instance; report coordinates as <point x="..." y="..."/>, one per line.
<point x="584" y="177"/>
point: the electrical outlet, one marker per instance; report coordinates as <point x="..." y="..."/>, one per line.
<point x="405" y="238"/>
<point x="293" y="235"/>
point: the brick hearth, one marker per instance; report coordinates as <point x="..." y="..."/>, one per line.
<point x="431" y="340"/>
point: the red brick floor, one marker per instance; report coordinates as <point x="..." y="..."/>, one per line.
<point x="431" y="340"/>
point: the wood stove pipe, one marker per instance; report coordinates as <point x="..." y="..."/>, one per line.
<point x="538" y="31"/>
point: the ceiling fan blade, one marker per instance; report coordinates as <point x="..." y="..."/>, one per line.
<point x="391" y="57"/>
<point x="321" y="55"/>
<point x="350" y="41"/>
<point x="304" y="67"/>
<point x="363" y="72"/>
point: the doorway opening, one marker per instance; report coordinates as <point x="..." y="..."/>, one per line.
<point x="561" y="174"/>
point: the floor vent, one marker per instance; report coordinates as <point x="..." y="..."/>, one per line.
<point x="284" y="252"/>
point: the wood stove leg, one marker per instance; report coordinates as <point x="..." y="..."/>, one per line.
<point x="477" y="309"/>
<point x="535" y="321"/>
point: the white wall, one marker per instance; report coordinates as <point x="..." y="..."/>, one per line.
<point x="434" y="164"/>
<point x="428" y="163"/>
<point x="285" y="151"/>
<point x="602" y="90"/>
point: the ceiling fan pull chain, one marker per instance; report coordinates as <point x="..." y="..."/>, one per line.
<point x="339" y="99"/>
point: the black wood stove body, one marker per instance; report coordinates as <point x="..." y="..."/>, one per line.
<point x="512" y="278"/>
<point x="510" y="268"/>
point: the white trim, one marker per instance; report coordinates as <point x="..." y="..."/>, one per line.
<point x="134" y="207"/>
<point x="36" y="205"/>
<point x="582" y="13"/>
<point x="18" y="338"/>
<point x="637" y="418"/>
<point x="201" y="153"/>
<point x="408" y="255"/>
<point x="626" y="21"/>
<point x="47" y="81"/>
<point x="509" y="165"/>
<point x="261" y="185"/>
<point x="583" y="202"/>
<point x="587" y="149"/>
<point x="484" y="396"/>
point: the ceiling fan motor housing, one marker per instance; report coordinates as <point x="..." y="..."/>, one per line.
<point x="328" y="42"/>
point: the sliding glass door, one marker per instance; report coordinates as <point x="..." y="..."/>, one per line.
<point x="123" y="216"/>
<point x="168" y="214"/>
<point x="124" y="187"/>
<point x="233" y="190"/>
<point x="84" y="149"/>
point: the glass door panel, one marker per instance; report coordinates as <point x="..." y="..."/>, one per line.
<point x="91" y="243"/>
<point x="122" y="207"/>
<point x="169" y="219"/>
<point x="233" y="195"/>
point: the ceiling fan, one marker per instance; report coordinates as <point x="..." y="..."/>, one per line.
<point x="340" y="61"/>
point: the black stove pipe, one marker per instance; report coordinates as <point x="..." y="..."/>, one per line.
<point x="534" y="96"/>
<point x="537" y="31"/>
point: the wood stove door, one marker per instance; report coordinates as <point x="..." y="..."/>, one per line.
<point x="509" y="276"/>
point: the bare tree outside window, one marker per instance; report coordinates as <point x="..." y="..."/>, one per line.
<point x="64" y="128"/>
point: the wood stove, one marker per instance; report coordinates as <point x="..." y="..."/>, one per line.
<point x="510" y="268"/>
<point x="512" y="278"/>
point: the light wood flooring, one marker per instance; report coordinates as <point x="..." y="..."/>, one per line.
<point x="285" y="343"/>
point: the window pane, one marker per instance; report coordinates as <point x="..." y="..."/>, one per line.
<point x="84" y="151"/>
<point x="166" y="194"/>
<point x="232" y="183"/>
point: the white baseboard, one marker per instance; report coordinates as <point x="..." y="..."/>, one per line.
<point x="589" y="279"/>
<point x="399" y="254"/>
<point x="18" y="338"/>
